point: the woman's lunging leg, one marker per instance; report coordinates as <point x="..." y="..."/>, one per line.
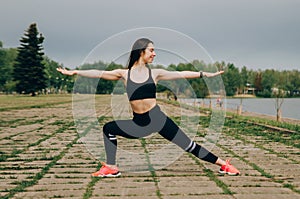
<point x="110" y="143"/>
<point x="110" y="130"/>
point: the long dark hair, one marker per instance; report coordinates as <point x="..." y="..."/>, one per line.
<point x="138" y="47"/>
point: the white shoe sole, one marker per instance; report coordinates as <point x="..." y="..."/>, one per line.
<point x="228" y="173"/>
<point x="109" y="175"/>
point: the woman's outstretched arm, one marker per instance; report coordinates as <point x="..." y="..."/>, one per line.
<point x="170" y="75"/>
<point x="108" y="75"/>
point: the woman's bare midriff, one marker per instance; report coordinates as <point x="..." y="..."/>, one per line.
<point x="143" y="105"/>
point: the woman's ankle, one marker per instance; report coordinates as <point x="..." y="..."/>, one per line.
<point x="220" y="162"/>
<point x="113" y="166"/>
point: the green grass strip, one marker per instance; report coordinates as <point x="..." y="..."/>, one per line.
<point x="151" y="169"/>
<point x="90" y="187"/>
<point x="212" y="176"/>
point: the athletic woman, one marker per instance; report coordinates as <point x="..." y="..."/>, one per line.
<point x="140" y="82"/>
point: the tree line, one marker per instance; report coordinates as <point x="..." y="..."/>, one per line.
<point x="27" y="70"/>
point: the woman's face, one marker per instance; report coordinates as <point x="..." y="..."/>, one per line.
<point x="149" y="54"/>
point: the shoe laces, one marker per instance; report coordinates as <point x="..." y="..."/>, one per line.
<point x="228" y="162"/>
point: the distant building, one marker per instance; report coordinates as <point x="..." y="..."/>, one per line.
<point x="296" y="92"/>
<point x="249" y="89"/>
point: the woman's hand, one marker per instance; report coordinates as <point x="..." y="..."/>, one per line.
<point x="207" y="74"/>
<point x="66" y="72"/>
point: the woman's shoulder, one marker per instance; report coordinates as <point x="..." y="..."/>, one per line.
<point x="123" y="72"/>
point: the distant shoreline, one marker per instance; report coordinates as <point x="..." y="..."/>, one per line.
<point x="264" y="116"/>
<point x="246" y="113"/>
<point x="244" y="96"/>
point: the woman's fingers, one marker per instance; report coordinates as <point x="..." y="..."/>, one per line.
<point x="63" y="71"/>
<point x="59" y="69"/>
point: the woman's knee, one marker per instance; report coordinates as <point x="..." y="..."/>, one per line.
<point x="108" y="128"/>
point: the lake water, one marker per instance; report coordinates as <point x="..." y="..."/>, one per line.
<point x="290" y="107"/>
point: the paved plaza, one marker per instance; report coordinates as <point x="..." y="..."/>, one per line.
<point x="43" y="156"/>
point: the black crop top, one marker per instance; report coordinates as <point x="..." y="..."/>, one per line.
<point x="144" y="90"/>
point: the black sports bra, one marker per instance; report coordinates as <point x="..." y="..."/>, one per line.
<point x="144" y="90"/>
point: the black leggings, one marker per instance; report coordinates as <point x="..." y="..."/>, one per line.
<point x="145" y="124"/>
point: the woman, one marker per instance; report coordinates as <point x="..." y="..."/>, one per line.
<point x="140" y="82"/>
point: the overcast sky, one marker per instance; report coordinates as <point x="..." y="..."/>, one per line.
<point x="258" y="34"/>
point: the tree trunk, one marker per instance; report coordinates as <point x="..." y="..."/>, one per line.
<point x="239" y="109"/>
<point x="278" y="115"/>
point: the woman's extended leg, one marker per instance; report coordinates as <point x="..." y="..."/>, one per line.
<point x="173" y="133"/>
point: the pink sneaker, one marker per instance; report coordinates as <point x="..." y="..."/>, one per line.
<point x="229" y="169"/>
<point x="107" y="171"/>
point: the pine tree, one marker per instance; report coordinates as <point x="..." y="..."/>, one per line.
<point x="29" y="71"/>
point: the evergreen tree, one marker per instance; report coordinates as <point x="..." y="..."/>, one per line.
<point x="29" y="70"/>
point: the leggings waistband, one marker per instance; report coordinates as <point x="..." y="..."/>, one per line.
<point x="155" y="108"/>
